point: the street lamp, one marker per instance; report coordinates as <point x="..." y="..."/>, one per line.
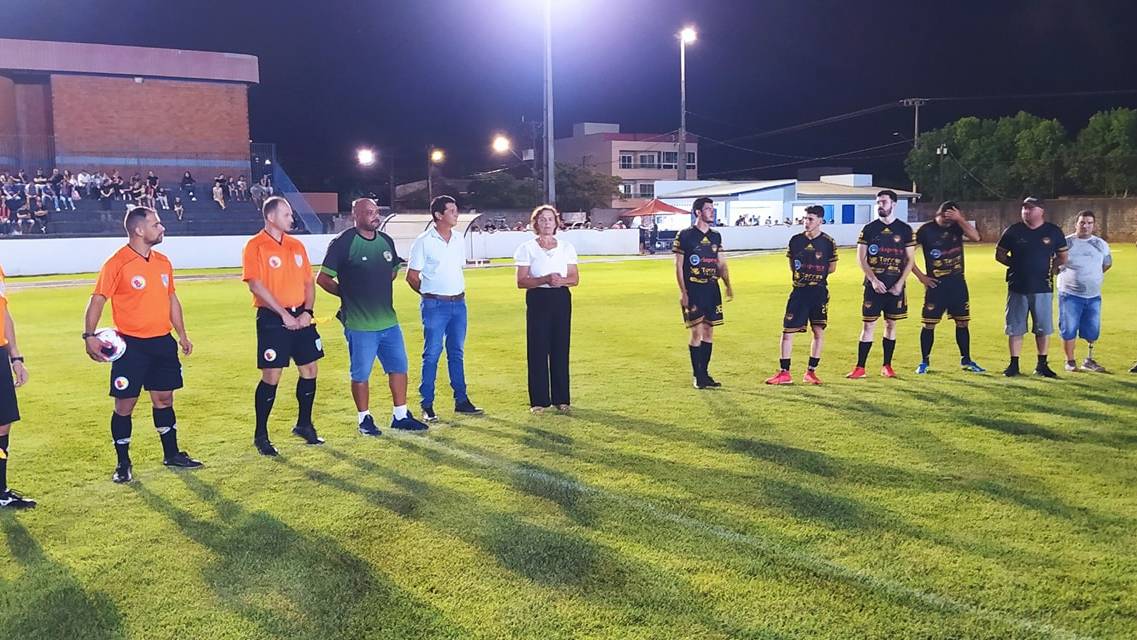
<point x="366" y="157"/>
<point x="502" y="144"/>
<point x="941" y="154"/>
<point x="686" y="37"/>
<point x="433" y="156"/>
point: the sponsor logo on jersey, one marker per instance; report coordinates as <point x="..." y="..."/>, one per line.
<point x="874" y="249"/>
<point x="694" y="260"/>
<point x="138" y="282"/>
<point x="797" y="264"/>
<point x="274" y="262"/>
<point x="935" y="253"/>
<point x="1046" y="241"/>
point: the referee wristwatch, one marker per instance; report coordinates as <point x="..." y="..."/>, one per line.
<point x="88" y="335"/>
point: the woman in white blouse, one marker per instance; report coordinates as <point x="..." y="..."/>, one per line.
<point x="546" y="268"/>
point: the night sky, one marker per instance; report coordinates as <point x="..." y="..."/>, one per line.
<point x="337" y="74"/>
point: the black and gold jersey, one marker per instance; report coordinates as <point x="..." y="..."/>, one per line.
<point x="810" y="259"/>
<point x="886" y="245"/>
<point x="942" y="248"/>
<point x="700" y="254"/>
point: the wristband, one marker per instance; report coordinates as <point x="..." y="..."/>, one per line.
<point x="17" y="358"/>
<point x="88" y="335"/>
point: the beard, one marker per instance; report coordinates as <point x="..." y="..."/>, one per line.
<point x="882" y="213"/>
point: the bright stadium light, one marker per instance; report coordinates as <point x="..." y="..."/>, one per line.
<point x="688" y="35"/>
<point x="502" y="144"/>
<point x="437" y="156"/>
<point x="366" y="157"/>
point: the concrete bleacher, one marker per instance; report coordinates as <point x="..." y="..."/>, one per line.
<point x="202" y="218"/>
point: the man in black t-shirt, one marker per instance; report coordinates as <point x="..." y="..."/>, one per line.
<point x="813" y="256"/>
<point x="699" y="263"/>
<point x="945" y="289"/>
<point x="1032" y="251"/>
<point x="886" y="252"/>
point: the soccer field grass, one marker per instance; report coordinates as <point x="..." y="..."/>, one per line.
<point x="952" y="505"/>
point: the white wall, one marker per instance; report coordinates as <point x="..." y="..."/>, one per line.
<point x="502" y="244"/>
<point x="775" y="237"/>
<point x="38" y="256"/>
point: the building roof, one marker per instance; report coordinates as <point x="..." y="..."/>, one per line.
<point x="104" y="59"/>
<point x="818" y="189"/>
<point x="726" y="189"/>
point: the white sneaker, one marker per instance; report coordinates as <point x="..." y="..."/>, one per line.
<point x="1071" y="365"/>
<point x="1090" y="365"/>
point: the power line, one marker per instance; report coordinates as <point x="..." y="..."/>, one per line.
<point x="804" y="161"/>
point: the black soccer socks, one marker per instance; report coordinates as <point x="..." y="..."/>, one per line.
<point x="927" y="339"/>
<point x="167" y="425"/>
<point x="863" y="353"/>
<point x="889" y="348"/>
<point x="121" y="426"/>
<point x="305" y="398"/>
<point x="963" y="339"/>
<point x="262" y="402"/>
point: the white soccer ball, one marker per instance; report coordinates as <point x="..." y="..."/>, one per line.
<point x="117" y="344"/>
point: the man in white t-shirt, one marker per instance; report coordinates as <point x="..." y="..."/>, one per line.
<point x="1079" y="290"/>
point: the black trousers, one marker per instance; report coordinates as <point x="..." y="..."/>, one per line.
<point x="548" y="323"/>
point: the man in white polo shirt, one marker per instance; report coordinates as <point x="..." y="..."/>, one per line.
<point x="438" y="256"/>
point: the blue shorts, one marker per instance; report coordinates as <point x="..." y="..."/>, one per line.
<point x="364" y="346"/>
<point x="1079" y="317"/>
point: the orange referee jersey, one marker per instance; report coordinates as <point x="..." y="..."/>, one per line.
<point x="139" y="290"/>
<point x="3" y="311"/>
<point x="282" y="267"/>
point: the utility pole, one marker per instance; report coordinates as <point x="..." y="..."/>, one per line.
<point x="915" y="103"/>
<point x="941" y="154"/>
<point x="550" y="166"/>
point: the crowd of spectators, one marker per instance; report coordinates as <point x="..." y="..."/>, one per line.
<point x="27" y="202"/>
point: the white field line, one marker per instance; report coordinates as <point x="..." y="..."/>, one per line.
<point x="810" y="562"/>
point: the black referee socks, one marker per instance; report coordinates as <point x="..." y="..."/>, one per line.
<point x="3" y="463"/>
<point x="121" y="426"/>
<point x="305" y="397"/>
<point x="262" y="402"/>
<point x="167" y="425"/>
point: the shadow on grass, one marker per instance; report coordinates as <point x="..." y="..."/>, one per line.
<point x="291" y="584"/>
<point x="47" y="601"/>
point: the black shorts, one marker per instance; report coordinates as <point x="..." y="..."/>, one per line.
<point x="806" y="305"/>
<point x="949" y="295"/>
<point x="9" y="409"/>
<point x="704" y="305"/>
<point x="277" y="345"/>
<point x="893" y="307"/>
<point x="148" y="362"/>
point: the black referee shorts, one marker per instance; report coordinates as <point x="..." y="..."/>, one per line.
<point x="9" y="409"/>
<point x="148" y="362"/>
<point x="806" y="305"/>
<point x="949" y="295"/>
<point x="276" y="346"/>
<point x="704" y="305"/>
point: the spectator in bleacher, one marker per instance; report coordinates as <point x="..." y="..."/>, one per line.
<point x="40" y="214"/>
<point x="118" y="186"/>
<point x="107" y="194"/>
<point x="162" y="199"/>
<point x="56" y="180"/>
<point x="13" y="194"/>
<point x="65" y="195"/>
<point x="5" y="218"/>
<point x="231" y="190"/>
<point x="242" y="189"/>
<point x="25" y="217"/>
<point x="38" y="183"/>
<point x="152" y="183"/>
<point x="98" y="178"/>
<point x="83" y="183"/>
<point x="137" y="192"/>
<point x="189" y="186"/>
<point x="258" y="194"/>
<point x="219" y="193"/>
<point x="179" y="208"/>
<point x="266" y="183"/>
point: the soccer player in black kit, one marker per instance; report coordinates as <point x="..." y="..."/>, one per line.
<point x="699" y="264"/>
<point x="944" y="286"/>
<point x="813" y="256"/>
<point x="886" y="252"/>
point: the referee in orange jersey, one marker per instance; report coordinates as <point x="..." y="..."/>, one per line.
<point x="12" y="375"/>
<point x="279" y="275"/>
<point x="139" y="282"/>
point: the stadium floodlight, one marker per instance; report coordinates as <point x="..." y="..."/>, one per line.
<point x="437" y="156"/>
<point x="366" y="157"/>
<point x="502" y="144"/>
<point x="688" y="35"/>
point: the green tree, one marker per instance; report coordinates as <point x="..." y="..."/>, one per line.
<point x="503" y="191"/>
<point x="581" y="189"/>
<point x="1104" y="156"/>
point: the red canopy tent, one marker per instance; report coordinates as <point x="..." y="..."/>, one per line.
<point x="654" y="207"/>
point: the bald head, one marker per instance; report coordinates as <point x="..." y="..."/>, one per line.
<point x="366" y="215"/>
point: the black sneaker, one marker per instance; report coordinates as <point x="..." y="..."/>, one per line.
<point x="181" y="459"/>
<point x="428" y="413"/>
<point x="711" y="382"/>
<point x="12" y="500"/>
<point x="706" y="383"/>
<point x="408" y="424"/>
<point x="1045" y="371"/>
<point x="122" y="474"/>
<point x="367" y="427"/>
<point x="1134" y="369"/>
<point x="264" y="447"/>
<point x="1011" y="371"/>
<point x="308" y="433"/>
<point x="467" y="408"/>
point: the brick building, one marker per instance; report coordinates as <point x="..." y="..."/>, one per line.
<point x="89" y="106"/>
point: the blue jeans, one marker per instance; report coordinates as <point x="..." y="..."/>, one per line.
<point x="443" y="320"/>
<point x="364" y="346"/>
<point x="1079" y="316"/>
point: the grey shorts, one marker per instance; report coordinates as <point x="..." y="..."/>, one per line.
<point x="1040" y="307"/>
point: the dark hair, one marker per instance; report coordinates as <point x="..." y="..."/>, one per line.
<point x="134" y="217"/>
<point x="438" y="205"/>
<point x="537" y="212"/>
<point x="815" y="210"/>
<point x="1086" y="213"/>
<point x="947" y="205"/>
<point x="272" y="204"/>
<point x="699" y="204"/>
<point x="887" y="192"/>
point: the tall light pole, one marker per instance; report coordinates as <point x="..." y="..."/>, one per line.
<point x="686" y="36"/>
<point x="915" y="103"/>
<point x="433" y="156"/>
<point x="550" y="166"/>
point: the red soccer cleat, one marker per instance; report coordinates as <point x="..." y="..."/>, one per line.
<point x="811" y="378"/>
<point x="887" y="371"/>
<point x="856" y="374"/>
<point x="782" y="377"/>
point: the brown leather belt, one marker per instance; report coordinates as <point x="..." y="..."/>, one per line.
<point x="435" y="296"/>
